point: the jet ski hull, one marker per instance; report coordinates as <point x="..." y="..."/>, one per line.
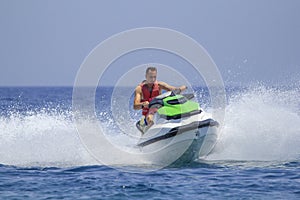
<point x="183" y="144"/>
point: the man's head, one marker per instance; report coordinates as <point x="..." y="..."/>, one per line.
<point x="151" y="73"/>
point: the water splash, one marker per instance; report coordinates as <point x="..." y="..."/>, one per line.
<point x="261" y="124"/>
<point x="43" y="139"/>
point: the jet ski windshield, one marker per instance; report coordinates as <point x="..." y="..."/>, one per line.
<point x="164" y="95"/>
<point x="158" y="102"/>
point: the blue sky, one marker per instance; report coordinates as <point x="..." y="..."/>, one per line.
<point x="44" y="42"/>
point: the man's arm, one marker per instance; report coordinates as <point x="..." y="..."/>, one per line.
<point x="137" y="105"/>
<point x="168" y="87"/>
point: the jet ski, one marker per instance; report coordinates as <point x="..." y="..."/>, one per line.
<point x="182" y="132"/>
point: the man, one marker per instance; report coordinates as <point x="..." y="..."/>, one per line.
<point x="148" y="90"/>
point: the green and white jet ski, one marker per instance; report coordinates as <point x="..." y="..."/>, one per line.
<point x="182" y="132"/>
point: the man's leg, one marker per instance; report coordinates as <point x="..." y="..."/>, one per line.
<point x="150" y="115"/>
<point x="149" y="119"/>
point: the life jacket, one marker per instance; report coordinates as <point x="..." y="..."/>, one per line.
<point x="148" y="95"/>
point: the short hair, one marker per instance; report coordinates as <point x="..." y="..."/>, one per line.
<point x="151" y="69"/>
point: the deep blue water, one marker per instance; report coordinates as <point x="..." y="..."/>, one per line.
<point x="41" y="156"/>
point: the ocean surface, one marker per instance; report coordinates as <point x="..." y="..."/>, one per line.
<point x="42" y="157"/>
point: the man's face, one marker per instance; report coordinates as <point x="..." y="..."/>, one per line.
<point x="151" y="76"/>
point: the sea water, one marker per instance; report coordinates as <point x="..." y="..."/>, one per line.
<point x="42" y="157"/>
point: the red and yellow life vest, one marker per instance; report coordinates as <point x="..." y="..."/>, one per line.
<point x="148" y="95"/>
